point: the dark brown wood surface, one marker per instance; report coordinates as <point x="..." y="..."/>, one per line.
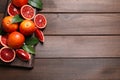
<point x="81" y="6"/>
<point x="66" y="69"/>
<point x="83" y="24"/>
<point x="82" y="42"/>
<point x="3" y="5"/>
<point x="79" y="46"/>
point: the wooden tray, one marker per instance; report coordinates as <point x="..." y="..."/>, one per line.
<point x="17" y="62"/>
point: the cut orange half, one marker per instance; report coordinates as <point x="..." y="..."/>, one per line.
<point x="27" y="12"/>
<point x="40" y="21"/>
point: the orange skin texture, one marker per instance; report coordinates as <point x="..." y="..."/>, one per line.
<point x="19" y="3"/>
<point x="27" y="27"/>
<point x="15" y="40"/>
<point x="7" y="24"/>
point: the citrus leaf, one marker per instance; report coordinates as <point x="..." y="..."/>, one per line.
<point x="36" y="3"/>
<point x="29" y="49"/>
<point x="39" y="2"/>
<point x="17" y="19"/>
<point x="31" y="41"/>
<point x="0" y="31"/>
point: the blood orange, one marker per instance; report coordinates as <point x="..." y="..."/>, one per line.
<point x="27" y="12"/>
<point x="27" y="27"/>
<point x="39" y="34"/>
<point x="7" y="54"/>
<point x="22" y="54"/>
<point x="15" y="40"/>
<point x="12" y="10"/>
<point x="7" y="24"/>
<point x="19" y="3"/>
<point x="3" y="40"/>
<point x="40" y="21"/>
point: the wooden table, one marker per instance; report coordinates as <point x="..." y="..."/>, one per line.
<point x="82" y="42"/>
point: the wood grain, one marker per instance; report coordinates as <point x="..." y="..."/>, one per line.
<point x="1" y="16"/>
<point x="66" y="69"/>
<point x="3" y="5"/>
<point x="82" y="42"/>
<point x="79" y="46"/>
<point x="81" y="6"/>
<point x="80" y="24"/>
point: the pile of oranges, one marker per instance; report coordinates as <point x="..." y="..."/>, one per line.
<point x="17" y="32"/>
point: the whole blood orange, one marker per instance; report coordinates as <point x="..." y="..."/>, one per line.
<point x="15" y="40"/>
<point x="7" y="24"/>
<point x="19" y="3"/>
<point x="27" y="27"/>
<point x="12" y="10"/>
<point x="27" y="12"/>
<point x="7" y="54"/>
<point x="40" y="21"/>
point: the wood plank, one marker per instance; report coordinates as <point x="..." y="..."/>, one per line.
<point x="1" y="16"/>
<point x="82" y="24"/>
<point x="3" y="5"/>
<point x="66" y="69"/>
<point x="79" y="46"/>
<point x="81" y="6"/>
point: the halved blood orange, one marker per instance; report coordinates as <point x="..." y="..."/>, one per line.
<point x="27" y="12"/>
<point x="12" y="10"/>
<point x="3" y="40"/>
<point x="7" y="54"/>
<point x="39" y="34"/>
<point x="40" y="21"/>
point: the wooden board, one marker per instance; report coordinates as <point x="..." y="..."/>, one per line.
<point x="81" y="6"/>
<point x="82" y="24"/>
<point x="79" y="47"/>
<point x="3" y="5"/>
<point x="67" y="69"/>
<point x="20" y="64"/>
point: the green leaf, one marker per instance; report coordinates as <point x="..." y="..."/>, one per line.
<point x="17" y="19"/>
<point x="0" y="31"/>
<point x="29" y="49"/>
<point x="31" y="41"/>
<point x="36" y="3"/>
